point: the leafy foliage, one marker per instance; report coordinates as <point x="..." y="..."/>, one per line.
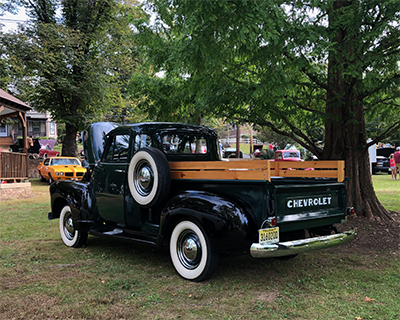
<point x="73" y="59"/>
<point x="265" y="62"/>
<point x="296" y="67"/>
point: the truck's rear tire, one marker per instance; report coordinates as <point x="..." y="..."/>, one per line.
<point x="149" y="177"/>
<point x="69" y="235"/>
<point x="191" y="252"/>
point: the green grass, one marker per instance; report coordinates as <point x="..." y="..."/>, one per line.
<point x="43" y="279"/>
<point x="387" y="190"/>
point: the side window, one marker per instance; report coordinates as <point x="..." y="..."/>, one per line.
<point x="184" y="144"/>
<point x="46" y="162"/>
<point x="142" y="141"/>
<point x="118" y="149"/>
<point x="3" y="130"/>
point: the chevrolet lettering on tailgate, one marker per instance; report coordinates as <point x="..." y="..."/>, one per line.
<point x="308" y="202"/>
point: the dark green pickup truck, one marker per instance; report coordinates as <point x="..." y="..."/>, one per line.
<point x="164" y="184"/>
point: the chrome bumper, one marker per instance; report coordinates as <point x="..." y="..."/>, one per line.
<point x="288" y="248"/>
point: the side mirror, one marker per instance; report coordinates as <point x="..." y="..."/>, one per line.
<point x="85" y="164"/>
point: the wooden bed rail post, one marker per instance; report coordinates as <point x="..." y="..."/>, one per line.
<point x="340" y="177"/>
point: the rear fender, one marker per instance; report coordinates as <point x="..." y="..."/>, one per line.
<point x="229" y="223"/>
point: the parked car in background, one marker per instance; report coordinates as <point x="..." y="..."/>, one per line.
<point x="287" y="155"/>
<point x="382" y="163"/>
<point x="231" y="153"/>
<point x="61" y="168"/>
<point x="46" y="149"/>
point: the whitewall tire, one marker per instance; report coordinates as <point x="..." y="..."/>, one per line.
<point x="191" y="252"/>
<point x="69" y="235"/>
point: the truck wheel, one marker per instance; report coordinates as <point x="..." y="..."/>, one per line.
<point x="70" y="236"/>
<point x="191" y="252"/>
<point x="149" y="177"/>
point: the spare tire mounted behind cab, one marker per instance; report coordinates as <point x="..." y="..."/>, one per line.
<point x="149" y="177"/>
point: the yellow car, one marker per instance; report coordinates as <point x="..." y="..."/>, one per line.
<point x="61" y="168"/>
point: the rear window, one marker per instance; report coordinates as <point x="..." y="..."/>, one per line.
<point x="184" y="144"/>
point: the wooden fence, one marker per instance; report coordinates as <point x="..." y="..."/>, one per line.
<point x="13" y="166"/>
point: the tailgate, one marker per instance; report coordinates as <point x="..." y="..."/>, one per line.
<point x="301" y="206"/>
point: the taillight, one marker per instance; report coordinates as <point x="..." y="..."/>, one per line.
<point x="271" y="221"/>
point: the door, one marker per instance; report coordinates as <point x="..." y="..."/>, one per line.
<point x="109" y="180"/>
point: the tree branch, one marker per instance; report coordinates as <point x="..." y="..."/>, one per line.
<point x="309" y="146"/>
<point x="390" y="130"/>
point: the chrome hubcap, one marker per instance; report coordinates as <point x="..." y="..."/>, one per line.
<point x="143" y="178"/>
<point x="189" y="249"/>
<point x="69" y="229"/>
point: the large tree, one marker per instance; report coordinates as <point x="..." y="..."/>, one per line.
<point x="73" y="58"/>
<point x="292" y="66"/>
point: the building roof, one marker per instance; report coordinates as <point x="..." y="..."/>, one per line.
<point x="10" y="104"/>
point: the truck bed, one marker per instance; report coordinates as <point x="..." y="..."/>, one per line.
<point x="314" y="195"/>
<point x="256" y="170"/>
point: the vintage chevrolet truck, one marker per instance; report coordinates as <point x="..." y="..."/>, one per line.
<point x="164" y="184"/>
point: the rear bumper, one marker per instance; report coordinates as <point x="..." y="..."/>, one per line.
<point x="299" y="246"/>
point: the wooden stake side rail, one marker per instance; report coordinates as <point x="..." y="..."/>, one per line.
<point x="256" y="170"/>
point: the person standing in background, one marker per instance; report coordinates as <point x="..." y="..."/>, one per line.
<point x="396" y="157"/>
<point x="393" y="167"/>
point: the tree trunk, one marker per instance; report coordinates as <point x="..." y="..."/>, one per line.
<point x="70" y="148"/>
<point x="345" y="134"/>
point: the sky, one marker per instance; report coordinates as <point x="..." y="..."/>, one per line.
<point x="10" y="21"/>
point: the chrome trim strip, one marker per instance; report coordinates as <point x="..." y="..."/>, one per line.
<point x="288" y="248"/>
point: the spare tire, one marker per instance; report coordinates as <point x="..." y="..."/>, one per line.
<point x="149" y="177"/>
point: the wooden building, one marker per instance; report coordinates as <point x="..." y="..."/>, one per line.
<point x="13" y="166"/>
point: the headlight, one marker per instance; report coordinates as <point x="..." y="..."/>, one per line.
<point x="57" y="173"/>
<point x="61" y="173"/>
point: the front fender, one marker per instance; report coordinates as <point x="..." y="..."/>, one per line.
<point x="230" y="223"/>
<point x="77" y="195"/>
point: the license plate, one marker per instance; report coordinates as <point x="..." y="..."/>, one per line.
<point x="270" y="235"/>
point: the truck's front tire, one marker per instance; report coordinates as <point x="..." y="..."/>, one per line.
<point x="191" y="252"/>
<point x="69" y="235"/>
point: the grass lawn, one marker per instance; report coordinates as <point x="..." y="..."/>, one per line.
<point x="387" y="190"/>
<point x="41" y="278"/>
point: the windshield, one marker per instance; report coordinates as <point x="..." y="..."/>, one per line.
<point x="65" y="162"/>
<point x="291" y="155"/>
